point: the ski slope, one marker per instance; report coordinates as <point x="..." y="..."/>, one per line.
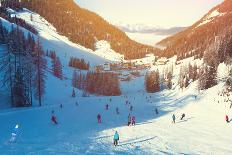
<point x="203" y="131"/>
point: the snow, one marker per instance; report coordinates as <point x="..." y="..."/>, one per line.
<point x="210" y="17"/>
<point x="61" y="44"/>
<point x="104" y="50"/>
<point x="203" y="131"/>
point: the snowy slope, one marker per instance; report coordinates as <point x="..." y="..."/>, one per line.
<point x="203" y="131"/>
<point x="64" y="47"/>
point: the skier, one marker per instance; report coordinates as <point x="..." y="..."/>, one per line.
<point x="227" y="119"/>
<point x="156" y="111"/>
<point x="173" y="118"/>
<point x="129" y="120"/>
<point x="182" y="116"/>
<point x="126" y="102"/>
<point x="107" y="106"/>
<point x="116" y="138"/>
<point x="117" y="111"/>
<point x="133" y="120"/>
<point x="61" y="105"/>
<point x="131" y="108"/>
<point x="14" y="133"/>
<point x="110" y="99"/>
<point x="53" y="119"/>
<point x="99" y="118"/>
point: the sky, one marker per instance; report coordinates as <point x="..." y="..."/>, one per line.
<point x="163" y="13"/>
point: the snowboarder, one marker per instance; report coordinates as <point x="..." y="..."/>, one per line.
<point x="116" y="138"/>
<point x="117" y="111"/>
<point x="182" y="116"/>
<point x="133" y="120"/>
<point x="131" y="108"/>
<point x="53" y="119"/>
<point x="14" y="133"/>
<point x="173" y="118"/>
<point x="107" y="106"/>
<point x="99" y="118"/>
<point x="227" y="119"/>
<point x="129" y="120"/>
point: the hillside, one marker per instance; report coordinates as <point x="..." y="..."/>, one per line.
<point x="195" y="40"/>
<point x="84" y="27"/>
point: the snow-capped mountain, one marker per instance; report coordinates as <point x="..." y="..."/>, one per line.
<point x="142" y="28"/>
<point x="215" y="26"/>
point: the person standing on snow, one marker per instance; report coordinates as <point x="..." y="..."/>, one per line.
<point x="99" y="118"/>
<point x="117" y="111"/>
<point x="131" y="108"/>
<point x="156" y="111"/>
<point x="116" y="138"/>
<point x="173" y="118"/>
<point x="129" y="120"/>
<point x="107" y="106"/>
<point x="53" y="119"/>
<point x="133" y="120"/>
<point x="227" y="119"/>
<point x="14" y="133"/>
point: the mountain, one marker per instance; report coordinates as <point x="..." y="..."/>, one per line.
<point x="214" y="28"/>
<point x="141" y="28"/>
<point x="84" y="27"/>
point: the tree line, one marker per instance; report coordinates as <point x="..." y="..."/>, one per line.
<point x="78" y="63"/>
<point x="100" y="83"/>
<point x="22" y="66"/>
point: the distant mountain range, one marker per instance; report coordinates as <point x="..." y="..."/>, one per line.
<point x="141" y="28"/>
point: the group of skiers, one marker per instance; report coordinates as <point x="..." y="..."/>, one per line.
<point x="174" y="118"/>
<point x="131" y="120"/>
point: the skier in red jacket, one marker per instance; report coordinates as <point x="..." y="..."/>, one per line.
<point x="227" y="119"/>
<point x="53" y="119"/>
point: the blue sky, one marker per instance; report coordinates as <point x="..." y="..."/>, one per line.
<point x="165" y="13"/>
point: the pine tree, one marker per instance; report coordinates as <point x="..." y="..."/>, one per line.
<point x="57" y="67"/>
<point x="39" y="79"/>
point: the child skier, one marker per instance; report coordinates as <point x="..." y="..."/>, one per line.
<point x="173" y="118"/>
<point x="116" y="138"/>
<point x="99" y="118"/>
<point x="227" y="119"/>
<point x="182" y="116"/>
<point x="14" y="133"/>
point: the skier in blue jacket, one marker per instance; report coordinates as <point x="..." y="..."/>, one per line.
<point x="116" y="138"/>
